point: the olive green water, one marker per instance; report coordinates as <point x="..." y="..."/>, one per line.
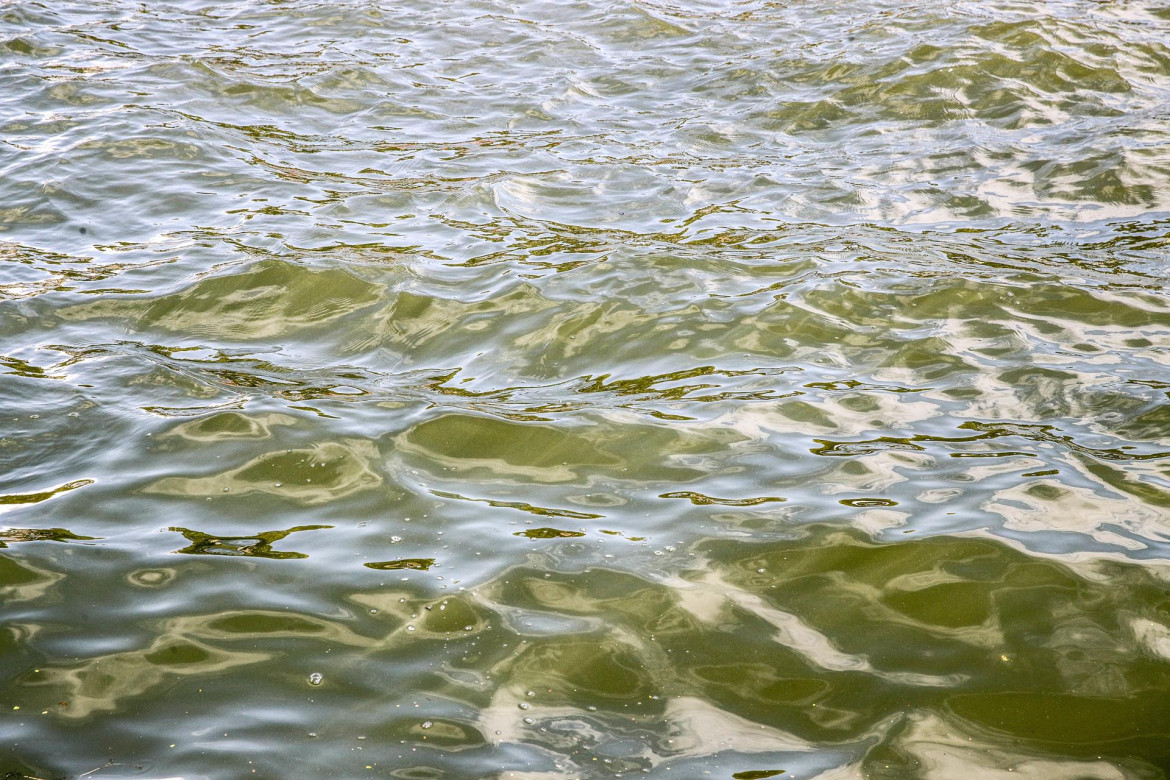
<point x="585" y="389"/>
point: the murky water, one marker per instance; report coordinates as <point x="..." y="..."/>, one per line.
<point x="585" y="389"/>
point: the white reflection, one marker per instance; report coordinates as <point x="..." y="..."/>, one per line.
<point x="1051" y="505"/>
<point x="709" y="598"/>
<point x="944" y="751"/>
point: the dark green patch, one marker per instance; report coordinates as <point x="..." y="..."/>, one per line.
<point x="403" y="563"/>
<point x="548" y="533"/>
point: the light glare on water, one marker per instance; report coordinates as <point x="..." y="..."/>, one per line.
<point x="585" y="389"/>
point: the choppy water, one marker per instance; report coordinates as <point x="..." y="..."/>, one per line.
<point x="584" y="389"/>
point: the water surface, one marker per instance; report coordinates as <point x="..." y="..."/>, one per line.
<point x="585" y="389"/>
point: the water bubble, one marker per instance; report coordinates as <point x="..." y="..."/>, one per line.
<point x="427" y="724"/>
<point x="529" y="721"/>
<point x="395" y="539"/>
<point x="530" y="693"/>
<point x="316" y="678"/>
<point x="523" y="705"/>
<point x="410" y="628"/>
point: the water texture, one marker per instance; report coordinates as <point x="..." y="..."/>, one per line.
<point x="585" y="389"/>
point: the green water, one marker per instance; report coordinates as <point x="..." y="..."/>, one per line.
<point x="675" y="389"/>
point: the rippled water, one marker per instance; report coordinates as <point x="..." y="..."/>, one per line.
<point x="585" y="389"/>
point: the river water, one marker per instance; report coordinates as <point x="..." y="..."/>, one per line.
<point x="590" y="388"/>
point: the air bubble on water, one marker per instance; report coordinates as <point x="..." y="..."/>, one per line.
<point x="530" y="693"/>
<point x="760" y="571"/>
<point x="529" y="721"/>
<point x="468" y="628"/>
<point x="395" y="539"/>
<point x="410" y="628"/>
<point x="523" y="705"/>
<point x="277" y="484"/>
<point x="316" y="678"/>
<point x="427" y="724"/>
